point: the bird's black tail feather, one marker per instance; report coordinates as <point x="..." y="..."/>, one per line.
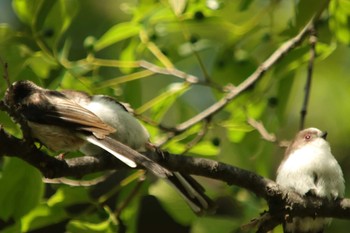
<point x="188" y="187"/>
<point x="192" y="192"/>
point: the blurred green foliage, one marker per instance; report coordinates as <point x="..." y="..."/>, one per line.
<point x="130" y="50"/>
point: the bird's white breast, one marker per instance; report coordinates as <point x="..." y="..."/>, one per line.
<point x="314" y="159"/>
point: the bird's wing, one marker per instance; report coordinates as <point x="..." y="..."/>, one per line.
<point x="56" y="109"/>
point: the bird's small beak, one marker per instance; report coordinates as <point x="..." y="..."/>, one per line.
<point x="324" y="135"/>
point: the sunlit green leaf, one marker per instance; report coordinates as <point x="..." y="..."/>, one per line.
<point x="205" y="148"/>
<point x="178" y="144"/>
<point x="117" y="33"/>
<point x="128" y="54"/>
<point x="339" y="20"/>
<point x="217" y="225"/>
<point x="324" y="50"/>
<point x="27" y="10"/>
<point x="69" y="195"/>
<point x="176" y="147"/>
<point x="23" y="191"/>
<point x="41" y="65"/>
<point x="178" y="6"/>
<point x="172" y="202"/>
<point x="43" y="215"/>
<point x="236" y="132"/>
<point x="84" y="226"/>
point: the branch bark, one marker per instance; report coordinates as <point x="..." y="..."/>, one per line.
<point x="282" y="203"/>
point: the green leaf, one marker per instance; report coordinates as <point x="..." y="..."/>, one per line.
<point x="236" y="127"/>
<point x="128" y="54"/>
<point x="324" y="50"/>
<point x="22" y="189"/>
<point x="217" y="225"/>
<point x="236" y="132"/>
<point x="41" y="64"/>
<point x="306" y="10"/>
<point x="339" y="20"/>
<point x="172" y="202"/>
<point x="57" y="20"/>
<point x="178" y="6"/>
<point x="53" y="211"/>
<point x="69" y="195"/>
<point x="27" y="10"/>
<point x="77" y="226"/>
<point x="205" y="148"/>
<point x="117" y="33"/>
<point x="161" y="104"/>
<point x="43" y="215"/>
<point x="178" y="144"/>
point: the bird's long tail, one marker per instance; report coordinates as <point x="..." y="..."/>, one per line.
<point x="187" y="186"/>
<point x="192" y="192"/>
<point x="128" y="156"/>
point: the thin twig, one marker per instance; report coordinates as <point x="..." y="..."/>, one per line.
<point x="198" y="138"/>
<point x="187" y="36"/>
<point x="178" y="73"/>
<point x="154" y="69"/>
<point x="313" y="41"/>
<point x="270" y="137"/>
<point x="257" y="222"/>
<point x="6" y="72"/>
<point x="151" y="122"/>
<point x="78" y="183"/>
<point x="259" y="72"/>
<point x="168" y="71"/>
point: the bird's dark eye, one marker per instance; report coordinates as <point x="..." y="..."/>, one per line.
<point x="307" y="136"/>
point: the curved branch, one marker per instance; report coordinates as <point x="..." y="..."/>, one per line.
<point x="281" y="202"/>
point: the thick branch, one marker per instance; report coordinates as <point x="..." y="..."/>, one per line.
<point x="52" y="167"/>
<point x="281" y="202"/>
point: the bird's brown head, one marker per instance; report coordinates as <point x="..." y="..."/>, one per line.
<point x="19" y="91"/>
<point x="306" y="136"/>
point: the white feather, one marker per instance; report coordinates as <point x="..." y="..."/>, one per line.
<point x="298" y="173"/>
<point x="122" y="158"/>
<point x="129" y="130"/>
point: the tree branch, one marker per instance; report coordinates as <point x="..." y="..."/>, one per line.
<point x="313" y="41"/>
<point x="259" y="72"/>
<point x="281" y="202"/>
